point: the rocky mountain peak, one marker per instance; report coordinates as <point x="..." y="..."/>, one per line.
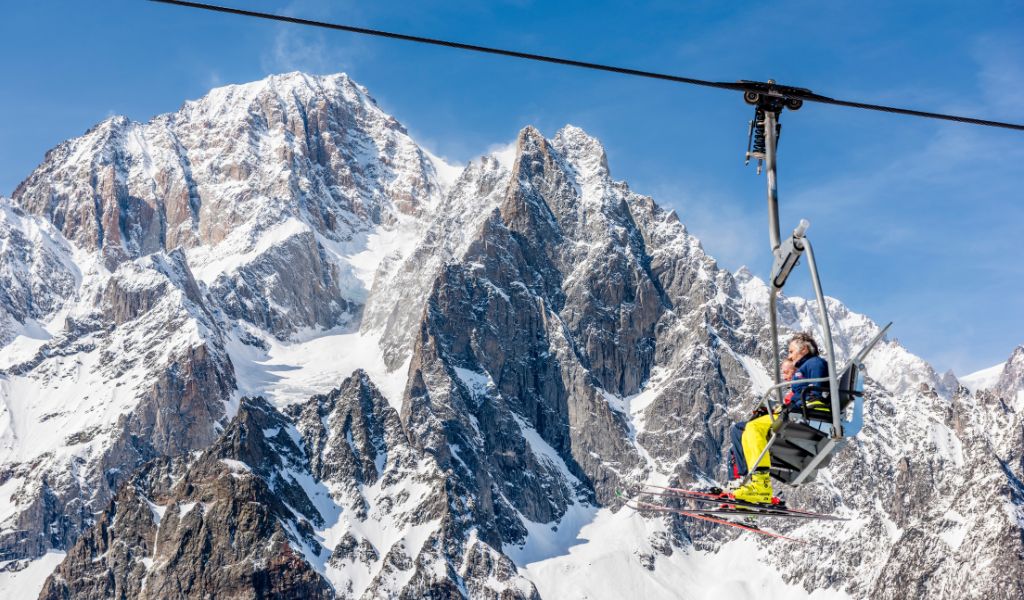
<point x="351" y="433"/>
<point x="243" y="157"/>
<point x="583" y="151"/>
<point x="743" y="275"/>
<point x="1011" y="380"/>
<point x="539" y="193"/>
<point x="287" y="87"/>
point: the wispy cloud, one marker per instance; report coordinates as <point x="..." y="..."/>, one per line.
<point x="301" y="50"/>
<point x="305" y="49"/>
<point x="1001" y="74"/>
<point x="954" y="157"/>
<point x="946" y="174"/>
<point x="213" y="79"/>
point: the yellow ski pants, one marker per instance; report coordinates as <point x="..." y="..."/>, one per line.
<point x="755" y="438"/>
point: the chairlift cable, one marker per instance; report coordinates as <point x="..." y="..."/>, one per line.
<point x="790" y="93"/>
<point x="456" y="45"/>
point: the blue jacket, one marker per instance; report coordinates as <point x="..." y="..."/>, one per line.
<point x="809" y="367"/>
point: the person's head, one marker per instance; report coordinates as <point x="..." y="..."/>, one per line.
<point x="788" y="368"/>
<point x="801" y="345"/>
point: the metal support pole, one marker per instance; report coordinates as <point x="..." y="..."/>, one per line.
<point x="833" y="383"/>
<point x="773" y="302"/>
<point x="770" y="122"/>
<point x="775" y="238"/>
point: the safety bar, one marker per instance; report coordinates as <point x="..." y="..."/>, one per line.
<point x="788" y="255"/>
<point x="801" y="229"/>
<point x="766" y="401"/>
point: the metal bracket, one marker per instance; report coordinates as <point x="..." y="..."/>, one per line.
<point x="788" y="255"/>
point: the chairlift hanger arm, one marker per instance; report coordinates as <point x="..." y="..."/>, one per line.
<point x="793" y="94"/>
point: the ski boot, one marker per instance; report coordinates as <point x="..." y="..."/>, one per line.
<point x="758" y="490"/>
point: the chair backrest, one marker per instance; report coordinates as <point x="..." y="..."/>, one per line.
<point x="851" y="385"/>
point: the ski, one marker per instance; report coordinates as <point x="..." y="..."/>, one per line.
<point x="745" y="508"/>
<point x="745" y="511"/>
<point x="640" y="506"/>
<point x="722" y="498"/>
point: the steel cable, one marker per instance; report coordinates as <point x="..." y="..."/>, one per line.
<point x="802" y="94"/>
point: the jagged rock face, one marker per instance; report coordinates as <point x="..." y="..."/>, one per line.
<point x="247" y="517"/>
<point x="505" y="347"/>
<point x="318" y="145"/>
<point x="383" y="486"/>
<point x="558" y="336"/>
<point x="35" y="273"/>
<point x="999" y="416"/>
<point x="1011" y="379"/>
<point x="217" y="527"/>
<point x="296" y="274"/>
<point x="137" y="288"/>
<point x="561" y="204"/>
<point x="348" y="434"/>
<point x="267" y="185"/>
<point x="141" y="375"/>
<point x="395" y="303"/>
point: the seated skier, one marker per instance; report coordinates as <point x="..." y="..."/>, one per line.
<point x="737" y="464"/>
<point x="750" y="438"/>
<point x="788" y="370"/>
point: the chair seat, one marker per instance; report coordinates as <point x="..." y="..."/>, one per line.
<point x="799" y="443"/>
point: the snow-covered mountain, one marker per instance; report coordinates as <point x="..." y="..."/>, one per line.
<point x="268" y="345"/>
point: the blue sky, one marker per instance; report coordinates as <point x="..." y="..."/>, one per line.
<point x="916" y="221"/>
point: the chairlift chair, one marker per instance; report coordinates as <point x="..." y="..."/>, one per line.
<point x="805" y="440"/>
<point x="801" y="442"/>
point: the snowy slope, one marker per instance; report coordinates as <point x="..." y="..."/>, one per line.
<point x="983" y="379"/>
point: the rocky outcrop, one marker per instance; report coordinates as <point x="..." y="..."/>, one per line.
<point x="138" y="287"/>
<point x="350" y="436"/>
<point x="230" y="523"/>
<point x="144" y="375"/>
<point x="1011" y="379"/>
<point x="395" y="303"/>
<point x="293" y="285"/>
<point x="36" y="274"/>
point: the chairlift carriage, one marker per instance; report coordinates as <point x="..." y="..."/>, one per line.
<point x="805" y="441"/>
